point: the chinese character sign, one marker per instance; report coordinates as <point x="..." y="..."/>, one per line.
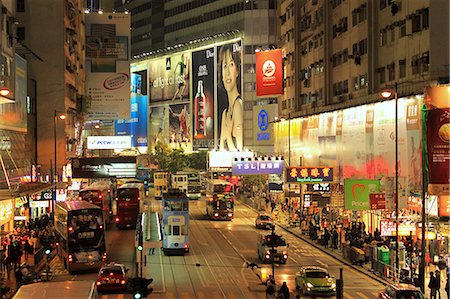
<point x="296" y="174"/>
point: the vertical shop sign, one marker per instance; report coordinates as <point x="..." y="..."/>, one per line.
<point x="269" y="73"/>
<point x="438" y="142"/>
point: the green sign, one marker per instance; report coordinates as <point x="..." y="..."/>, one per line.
<point x="357" y="193"/>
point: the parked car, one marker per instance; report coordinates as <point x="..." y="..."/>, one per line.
<point x="264" y="221"/>
<point x="314" y="280"/>
<point x="112" y="277"/>
<point x="401" y="291"/>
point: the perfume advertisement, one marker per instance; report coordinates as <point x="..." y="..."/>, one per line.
<point x="230" y="106"/>
<point x="203" y="99"/>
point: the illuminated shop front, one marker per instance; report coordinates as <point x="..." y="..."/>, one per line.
<point x="6" y="215"/>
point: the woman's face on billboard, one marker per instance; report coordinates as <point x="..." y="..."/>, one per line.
<point x="229" y="71"/>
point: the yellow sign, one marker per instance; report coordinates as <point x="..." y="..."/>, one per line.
<point x="6" y="211"/>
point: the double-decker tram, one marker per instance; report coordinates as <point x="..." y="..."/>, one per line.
<point x="219" y="200"/>
<point x="99" y="194"/>
<point x="80" y="232"/>
<point x="175" y="222"/>
<point x="188" y="182"/>
<point x="161" y="183"/>
<point x="129" y="203"/>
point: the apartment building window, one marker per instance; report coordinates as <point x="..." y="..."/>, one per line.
<point x="20" y="32"/>
<point x="425" y="18"/>
<point x="383" y="4"/>
<point x="382" y="75"/>
<point x="20" y="5"/>
<point x="416" y="23"/>
<point x="383" y="37"/>
<point x="392" y="35"/>
<point x="391" y="71"/>
<point x="356" y="83"/>
<point x="402" y="68"/>
<point x="354" y="17"/>
<point x="363" y="81"/>
<point x="362" y="47"/>
<point x="250" y="86"/>
<point x="426" y="61"/>
<point x="335" y="3"/>
<point x="402" y="27"/>
<point x="249" y="68"/>
<point x="345" y="86"/>
<point x="415" y="64"/>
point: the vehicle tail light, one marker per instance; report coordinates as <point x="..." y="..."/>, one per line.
<point x="80" y="198"/>
<point x="111" y="274"/>
<point x="99" y="283"/>
<point x="123" y="281"/>
<point x="101" y="226"/>
<point x="57" y="243"/>
<point x="70" y="229"/>
<point x="104" y="257"/>
<point x="70" y="258"/>
<point x="100" y="196"/>
<point x="216" y="214"/>
<point x="117" y="219"/>
<point x="185" y="245"/>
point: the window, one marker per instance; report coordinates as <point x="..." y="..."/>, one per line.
<point x="415" y="66"/>
<point x="20" y="33"/>
<point x="402" y="28"/>
<point x="425" y="61"/>
<point x="354" y="17"/>
<point x="382" y="75"/>
<point x="425" y="18"/>
<point x="249" y="68"/>
<point x="391" y="69"/>
<point x="383" y="4"/>
<point x="392" y="35"/>
<point x="20" y="5"/>
<point x="362" y="47"/>
<point x="383" y="37"/>
<point x="356" y="83"/>
<point x="416" y="23"/>
<point x="363" y="81"/>
<point x="355" y="48"/>
<point x="402" y="68"/>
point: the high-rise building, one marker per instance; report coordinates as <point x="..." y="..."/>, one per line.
<point x="342" y="53"/>
<point x="55" y="65"/>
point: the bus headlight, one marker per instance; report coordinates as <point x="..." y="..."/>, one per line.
<point x="267" y="256"/>
<point x="216" y="214"/>
<point x="117" y="219"/>
<point x="230" y="214"/>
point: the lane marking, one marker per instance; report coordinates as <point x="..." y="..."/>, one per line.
<point x="362" y="296"/>
<point x="322" y="263"/>
<point x="348" y="296"/>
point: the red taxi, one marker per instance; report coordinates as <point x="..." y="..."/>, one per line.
<point x="112" y="277"/>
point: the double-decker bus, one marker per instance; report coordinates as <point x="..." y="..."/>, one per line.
<point x="80" y="232"/>
<point x="219" y="200"/>
<point x="99" y="194"/>
<point x="189" y="182"/>
<point x="161" y="183"/>
<point x="175" y="222"/>
<point x="129" y="203"/>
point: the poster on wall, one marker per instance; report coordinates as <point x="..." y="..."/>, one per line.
<point x="158" y="125"/>
<point x="269" y="73"/>
<point x="438" y="142"/>
<point x="136" y="125"/>
<point x="203" y="103"/>
<point x="179" y="126"/>
<point x="263" y="119"/>
<point x="230" y="109"/>
<point x="108" y="66"/>
<point x="169" y="78"/>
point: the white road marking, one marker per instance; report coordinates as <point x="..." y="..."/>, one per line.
<point x="322" y="263"/>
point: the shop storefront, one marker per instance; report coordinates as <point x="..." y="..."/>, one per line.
<point x="6" y="215"/>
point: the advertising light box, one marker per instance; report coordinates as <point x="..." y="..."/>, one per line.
<point x="300" y="174"/>
<point x="224" y="159"/>
<point x="110" y="167"/>
<point x="249" y="167"/>
<point x="109" y="142"/>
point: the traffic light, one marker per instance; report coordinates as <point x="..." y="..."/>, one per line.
<point x="47" y="250"/>
<point x="272" y="240"/>
<point x="139" y="287"/>
<point x="140" y="241"/>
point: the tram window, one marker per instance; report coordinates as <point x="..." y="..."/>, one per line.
<point x="176" y="230"/>
<point x="167" y="230"/>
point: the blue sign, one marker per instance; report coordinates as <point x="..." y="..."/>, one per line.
<point x="263" y="124"/>
<point x="258" y="167"/>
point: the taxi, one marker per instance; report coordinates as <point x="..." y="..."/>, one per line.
<point x="264" y="221"/>
<point x="112" y="277"/>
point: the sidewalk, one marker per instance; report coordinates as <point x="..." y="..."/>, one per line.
<point x="282" y="221"/>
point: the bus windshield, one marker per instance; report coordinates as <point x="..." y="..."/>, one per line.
<point x="87" y="227"/>
<point x="224" y="205"/>
<point x="127" y="193"/>
<point x="86" y="195"/>
<point x="176" y="206"/>
<point x="223" y="188"/>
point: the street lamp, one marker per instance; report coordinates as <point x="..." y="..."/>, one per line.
<point x="56" y="115"/>
<point x="386" y="94"/>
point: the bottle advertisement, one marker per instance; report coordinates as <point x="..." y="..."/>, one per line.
<point x="203" y="101"/>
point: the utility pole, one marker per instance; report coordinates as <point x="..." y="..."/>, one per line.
<point x="272" y="251"/>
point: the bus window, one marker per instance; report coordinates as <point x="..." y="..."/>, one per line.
<point x="127" y="193"/>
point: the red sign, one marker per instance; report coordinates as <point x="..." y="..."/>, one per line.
<point x="377" y="201"/>
<point x="438" y="142"/>
<point x="269" y="73"/>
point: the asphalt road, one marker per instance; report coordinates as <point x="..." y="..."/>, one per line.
<point x="215" y="267"/>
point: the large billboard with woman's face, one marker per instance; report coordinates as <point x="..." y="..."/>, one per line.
<point x="230" y="110"/>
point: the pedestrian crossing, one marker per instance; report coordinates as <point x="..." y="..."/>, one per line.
<point x="57" y="267"/>
<point x="361" y="295"/>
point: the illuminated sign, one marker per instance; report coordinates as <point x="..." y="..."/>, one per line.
<point x="6" y="211"/>
<point x="320" y="187"/>
<point x="258" y="167"/>
<point x="388" y="229"/>
<point x="269" y="73"/>
<point x="224" y="159"/>
<point x="357" y="193"/>
<point x="299" y="174"/>
<point x="377" y="201"/>
<point x="61" y="195"/>
<point x="109" y="142"/>
<point x="307" y="200"/>
<point x="39" y="204"/>
<point x="263" y="124"/>
<point x="444" y="206"/>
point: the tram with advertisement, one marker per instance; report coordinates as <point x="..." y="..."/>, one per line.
<point x="99" y="194"/>
<point x="129" y="202"/>
<point x="220" y="200"/>
<point x="80" y="233"/>
<point x="161" y="183"/>
<point x="189" y="182"/>
<point x="175" y="222"/>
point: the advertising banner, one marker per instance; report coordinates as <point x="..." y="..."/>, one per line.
<point x="303" y="174"/>
<point x="438" y="142"/>
<point x="136" y="125"/>
<point x="230" y="109"/>
<point x="108" y="142"/>
<point x="377" y="201"/>
<point x="388" y="228"/>
<point x="179" y="126"/>
<point x="258" y="167"/>
<point x="444" y="206"/>
<point x="224" y="159"/>
<point x="357" y="193"/>
<point x="110" y="167"/>
<point x="108" y="66"/>
<point x="169" y="78"/>
<point x="203" y="104"/>
<point x="263" y="119"/>
<point x="158" y="125"/>
<point x="269" y="73"/>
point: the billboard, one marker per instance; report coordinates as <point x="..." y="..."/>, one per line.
<point x="169" y="78"/>
<point x="108" y="66"/>
<point x="269" y="73"/>
<point x="303" y="174"/>
<point x="263" y="118"/>
<point x="110" y="167"/>
<point x="438" y="143"/>
<point x="357" y="193"/>
<point x="179" y="126"/>
<point x="158" y="125"/>
<point x="257" y="166"/>
<point x="230" y="110"/>
<point x="203" y="103"/>
<point x="136" y="125"/>
<point x="108" y="142"/>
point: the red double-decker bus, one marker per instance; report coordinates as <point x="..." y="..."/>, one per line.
<point x="99" y="194"/>
<point x="129" y="201"/>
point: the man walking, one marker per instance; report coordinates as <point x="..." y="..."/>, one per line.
<point x="437" y="286"/>
<point x="432" y="286"/>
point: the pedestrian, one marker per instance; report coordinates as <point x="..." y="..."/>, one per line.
<point x="447" y="286"/>
<point x="326" y="237"/>
<point x="431" y="286"/>
<point x="437" y="285"/>
<point x="283" y="292"/>
<point x="270" y="288"/>
<point x="28" y="249"/>
<point x="335" y="238"/>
